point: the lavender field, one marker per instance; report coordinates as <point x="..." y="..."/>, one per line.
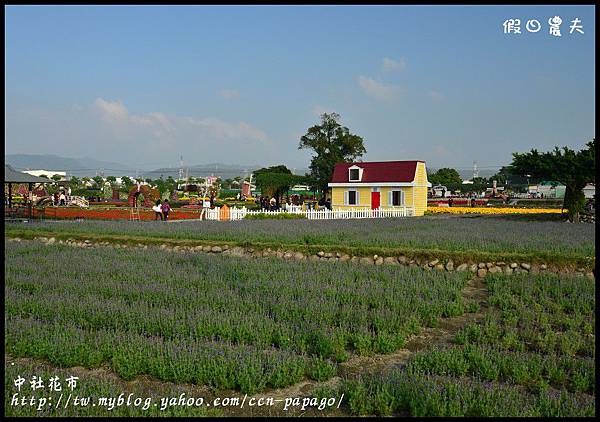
<point x="532" y="355"/>
<point x="212" y="320"/>
<point x="458" y="234"/>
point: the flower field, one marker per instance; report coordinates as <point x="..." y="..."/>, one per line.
<point x="218" y="321"/>
<point x="533" y="355"/>
<point x="492" y="210"/>
<point x="467" y="235"/>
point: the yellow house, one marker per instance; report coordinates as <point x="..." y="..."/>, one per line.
<point x="382" y="184"/>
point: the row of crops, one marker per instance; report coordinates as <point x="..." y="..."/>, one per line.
<point x="458" y="234"/>
<point x="533" y="355"/>
<point x="212" y="320"/>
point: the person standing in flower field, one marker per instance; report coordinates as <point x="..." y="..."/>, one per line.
<point x="158" y="211"/>
<point x="165" y="209"/>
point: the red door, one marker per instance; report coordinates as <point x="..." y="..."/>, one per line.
<point x="374" y="200"/>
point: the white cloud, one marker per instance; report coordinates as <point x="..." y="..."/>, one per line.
<point x="111" y="110"/>
<point x="106" y="127"/>
<point x="376" y="89"/>
<point x="389" y="65"/>
<point x="436" y="95"/>
<point x="229" y="94"/>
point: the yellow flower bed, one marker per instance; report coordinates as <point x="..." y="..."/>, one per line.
<point x="491" y="210"/>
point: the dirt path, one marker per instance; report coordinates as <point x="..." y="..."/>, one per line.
<point x="474" y="292"/>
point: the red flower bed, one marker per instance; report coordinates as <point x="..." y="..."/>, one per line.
<point x="111" y="213"/>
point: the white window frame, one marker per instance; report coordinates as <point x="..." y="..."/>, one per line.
<point x="360" y="173"/>
<point x="347" y="197"/>
<point x="391" y="197"/>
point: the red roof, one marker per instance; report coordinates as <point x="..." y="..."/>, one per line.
<point x="377" y="171"/>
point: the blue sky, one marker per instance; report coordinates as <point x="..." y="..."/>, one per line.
<point x="241" y="84"/>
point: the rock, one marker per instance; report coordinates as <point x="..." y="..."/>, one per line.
<point x="338" y="255"/>
<point x="525" y="266"/>
<point x="287" y="255"/>
<point x="543" y="267"/>
<point x="299" y="256"/>
<point x="508" y="270"/>
<point x="402" y="260"/>
<point x="225" y="247"/>
<point x="450" y="266"/>
<point x="495" y="269"/>
<point x="50" y="241"/>
<point x="379" y="260"/>
<point x="176" y="248"/>
<point x="473" y="268"/>
<point x="365" y="260"/>
<point x="489" y="265"/>
<point x="345" y="257"/>
<point x="250" y="250"/>
<point x="426" y="267"/>
<point x="355" y="259"/>
<point x="590" y="275"/>
<point x="414" y="264"/>
<point x="434" y="262"/>
<point x="481" y="265"/>
<point x="514" y="265"/>
<point x="500" y="264"/>
<point x="237" y="251"/>
<point x="216" y="249"/>
<point x="390" y="260"/>
<point x="481" y="272"/>
<point x="279" y="254"/>
<point x="313" y="257"/>
<point x="439" y="267"/>
<point x="462" y="267"/>
<point x="328" y="255"/>
<point x="320" y="254"/>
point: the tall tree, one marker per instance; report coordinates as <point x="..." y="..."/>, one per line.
<point x="99" y="180"/>
<point x="446" y="177"/>
<point x="275" y="181"/>
<point x="572" y="168"/>
<point x="332" y="143"/>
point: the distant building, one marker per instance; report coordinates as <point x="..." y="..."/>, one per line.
<point x="548" y="189"/>
<point x="440" y="191"/>
<point x="589" y="190"/>
<point x="48" y="173"/>
<point x="211" y="180"/>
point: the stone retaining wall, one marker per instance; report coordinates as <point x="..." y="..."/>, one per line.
<point x="481" y="268"/>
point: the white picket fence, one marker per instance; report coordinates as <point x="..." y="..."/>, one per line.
<point x="322" y="214"/>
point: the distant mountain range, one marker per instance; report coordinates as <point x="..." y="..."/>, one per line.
<point x="91" y="167"/>
<point x="79" y="167"/>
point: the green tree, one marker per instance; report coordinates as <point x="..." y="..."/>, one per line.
<point x="572" y="168"/>
<point x="74" y="182"/>
<point x="275" y="181"/>
<point x="99" y="181"/>
<point x="56" y="177"/>
<point x="446" y="177"/>
<point x="112" y="180"/>
<point x="332" y="143"/>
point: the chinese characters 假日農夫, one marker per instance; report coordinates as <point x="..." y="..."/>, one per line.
<point x="513" y="26"/>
